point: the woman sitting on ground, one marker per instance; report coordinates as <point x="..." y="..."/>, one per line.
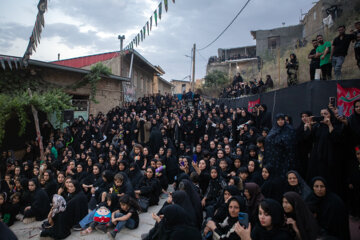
<point x="40" y="204"/>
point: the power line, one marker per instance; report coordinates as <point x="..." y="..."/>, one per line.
<point x="201" y="56"/>
<point x="226" y="27"/>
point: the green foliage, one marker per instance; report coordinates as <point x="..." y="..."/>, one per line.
<point x="216" y="79"/>
<point x="19" y="80"/>
<point x="92" y="78"/>
<point x="19" y="103"/>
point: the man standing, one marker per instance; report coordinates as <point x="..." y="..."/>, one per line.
<point x="339" y="50"/>
<point x="323" y="51"/>
<point x="315" y="61"/>
<point x="356" y="34"/>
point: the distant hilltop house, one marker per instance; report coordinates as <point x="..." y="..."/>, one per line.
<point x="248" y="60"/>
<point x="232" y="60"/>
<point x="180" y="86"/>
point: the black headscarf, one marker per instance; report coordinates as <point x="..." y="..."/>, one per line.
<point x="302" y="188"/>
<point x="176" y="225"/>
<point x="190" y="189"/>
<point x="331" y="212"/>
<point x="272" y="187"/>
<point x="182" y="199"/>
<point x="305" y="221"/>
<point x="275" y="210"/>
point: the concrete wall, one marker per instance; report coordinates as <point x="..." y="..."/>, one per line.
<point x="164" y="87"/>
<point x="247" y="68"/>
<point x="288" y="36"/>
<point x="109" y="93"/>
<point x="178" y="86"/>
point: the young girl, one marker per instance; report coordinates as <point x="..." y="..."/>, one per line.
<point x="126" y="216"/>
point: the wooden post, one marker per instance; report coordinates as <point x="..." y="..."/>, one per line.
<point x="193" y="68"/>
<point x="37" y="127"/>
<point x="278" y="54"/>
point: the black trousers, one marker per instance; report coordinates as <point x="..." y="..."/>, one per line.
<point x="326" y="71"/>
<point x="312" y="72"/>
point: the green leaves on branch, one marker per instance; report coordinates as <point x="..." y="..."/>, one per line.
<point x="92" y="78"/>
<point x="19" y="104"/>
<point x="216" y="79"/>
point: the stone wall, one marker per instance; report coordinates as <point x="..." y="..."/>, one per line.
<point x="246" y="67"/>
<point x="287" y="36"/>
<point x="109" y="91"/>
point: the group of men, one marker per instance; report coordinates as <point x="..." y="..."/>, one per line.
<point x="327" y="55"/>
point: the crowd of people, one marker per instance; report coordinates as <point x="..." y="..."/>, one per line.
<point x="236" y="174"/>
<point x="240" y="88"/>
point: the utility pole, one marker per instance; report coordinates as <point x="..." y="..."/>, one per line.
<point x="193" y="68"/>
<point x="121" y="38"/>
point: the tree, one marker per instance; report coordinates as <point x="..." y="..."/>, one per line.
<point x="216" y="79"/>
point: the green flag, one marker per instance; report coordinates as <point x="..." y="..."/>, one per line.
<point x="166" y="5"/>
<point x="150" y="23"/>
<point x="160" y="9"/>
<point x="147" y="26"/>
<point x="155" y="17"/>
<point x="144" y="31"/>
<point x="141" y="33"/>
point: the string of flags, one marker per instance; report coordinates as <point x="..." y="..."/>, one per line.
<point x="10" y="62"/>
<point x="36" y="33"/>
<point x="149" y="25"/>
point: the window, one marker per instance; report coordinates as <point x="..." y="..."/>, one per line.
<point x="273" y="42"/>
<point x="183" y="88"/>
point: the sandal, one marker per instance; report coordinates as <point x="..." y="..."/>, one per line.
<point x="86" y="232"/>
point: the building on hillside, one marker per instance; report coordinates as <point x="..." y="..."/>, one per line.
<point x="323" y="14"/>
<point x="180" y="86"/>
<point x="109" y="88"/>
<point x="145" y="78"/>
<point x="233" y="60"/>
<point x="269" y="40"/>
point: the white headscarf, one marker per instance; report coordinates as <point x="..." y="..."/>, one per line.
<point x="59" y="204"/>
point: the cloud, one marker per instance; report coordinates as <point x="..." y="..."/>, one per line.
<point x="81" y="27"/>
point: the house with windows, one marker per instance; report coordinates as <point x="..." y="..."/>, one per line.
<point x="144" y="77"/>
<point x="270" y="40"/>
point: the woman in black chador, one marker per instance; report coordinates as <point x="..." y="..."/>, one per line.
<point x="280" y="146"/>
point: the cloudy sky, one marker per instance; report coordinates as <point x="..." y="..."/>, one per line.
<point x="81" y="27"/>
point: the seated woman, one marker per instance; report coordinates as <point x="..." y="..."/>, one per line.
<point x="270" y="226"/>
<point x="225" y="230"/>
<point x="149" y="187"/>
<point x="174" y="225"/>
<point x="272" y="186"/>
<point x="253" y="197"/>
<point x="76" y="205"/>
<point x="330" y="210"/>
<point x="50" y="184"/>
<point x="40" y="204"/>
<point x="297" y="184"/>
<point x="57" y="228"/>
<point x="221" y="208"/>
<point x="298" y="217"/>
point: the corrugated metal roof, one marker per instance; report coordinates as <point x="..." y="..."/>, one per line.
<point x="80" y="62"/>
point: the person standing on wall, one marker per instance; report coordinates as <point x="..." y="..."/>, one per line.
<point x="292" y="67"/>
<point x="323" y="51"/>
<point x="315" y="61"/>
<point x="339" y="50"/>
